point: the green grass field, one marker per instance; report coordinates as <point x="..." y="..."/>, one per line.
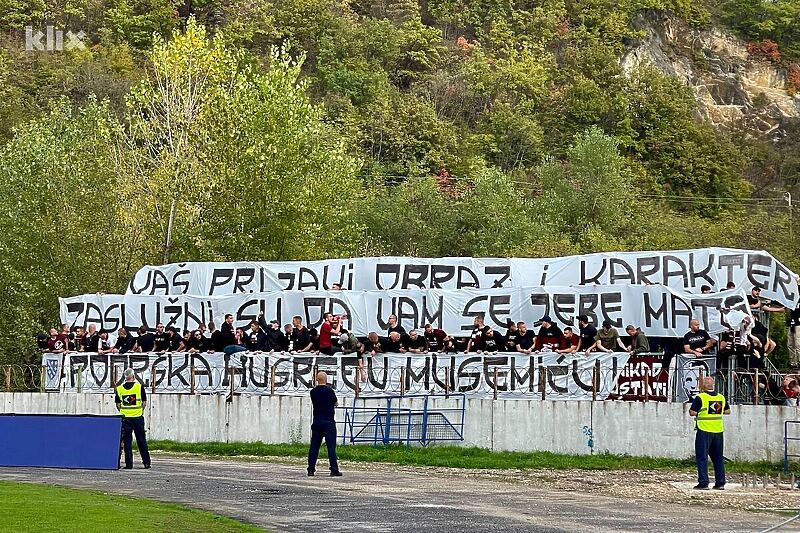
<point x="455" y="457"/>
<point x="42" y="508"/>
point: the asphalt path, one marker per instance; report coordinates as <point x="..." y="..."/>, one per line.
<point x="387" y="498"/>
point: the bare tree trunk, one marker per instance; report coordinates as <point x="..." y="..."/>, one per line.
<point x="173" y="210"/>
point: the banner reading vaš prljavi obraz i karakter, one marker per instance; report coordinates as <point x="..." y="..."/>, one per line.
<point x="513" y="375"/>
<point x="684" y="270"/>
<point x="660" y="311"/>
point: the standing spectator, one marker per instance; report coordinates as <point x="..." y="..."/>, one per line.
<point x="510" y="341"/>
<point x="394" y="326"/>
<point x="708" y="407"/>
<point x="300" y="339"/>
<point x="639" y="343"/>
<point x="323" y="424"/>
<point x="57" y="342"/>
<point x="161" y="340"/>
<point x="793" y="336"/>
<point x="572" y="342"/>
<point x="416" y="343"/>
<point x="326" y="332"/>
<point x="588" y="334"/>
<point x="256" y="339"/>
<point x="757" y="304"/>
<point x="91" y="340"/>
<point x="146" y="341"/>
<point x="276" y="340"/>
<point x="227" y="333"/>
<point x="435" y="338"/>
<point x="525" y="338"/>
<point x="697" y="341"/>
<point x="131" y="401"/>
<point x="215" y="336"/>
<point x="475" y="336"/>
<point x="549" y="338"/>
<point x="125" y="342"/>
<point x="607" y="339"/>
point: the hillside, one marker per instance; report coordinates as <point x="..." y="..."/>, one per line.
<point x="296" y="129"/>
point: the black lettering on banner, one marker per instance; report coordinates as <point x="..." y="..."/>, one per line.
<point x="414" y="276"/>
<point x="77" y="363"/>
<point x="611" y="302"/>
<point x="139" y="290"/>
<point x="159" y="282"/>
<point x="349" y="276"/>
<point x="753" y="262"/>
<point x="564" y="307"/>
<point x="504" y="271"/>
<point x="143" y="317"/>
<point x="289" y="277"/>
<point x="587" y="303"/>
<point x="680" y="307"/>
<point x="437" y="317"/>
<point x="679" y="272"/>
<point x="449" y="364"/>
<point x="259" y="366"/>
<point x="646" y="267"/>
<point x="528" y="372"/>
<point x="348" y="365"/>
<point x="311" y="283"/>
<point x="317" y="304"/>
<point x="555" y="372"/>
<point x="652" y="313"/>
<point x="502" y="374"/>
<point x="695" y="274"/>
<point x="282" y="376"/>
<point x="737" y="302"/>
<point x="301" y="367"/>
<point x="219" y="278"/>
<point x="382" y="269"/>
<point x="407" y="310"/>
<point x="468" y="312"/>
<point x="499" y="315"/>
<point x="140" y="363"/>
<point x="120" y="361"/>
<point x="325" y="278"/>
<point x="177" y="371"/>
<point x="76" y="309"/>
<point x="702" y="305"/>
<point x="576" y="376"/>
<point x="202" y="369"/>
<point x="190" y="320"/>
<point x="441" y="274"/>
<point x="624" y="273"/>
<point x="174" y="312"/>
<point x="424" y="374"/>
<point x="469" y="372"/>
<point x="261" y="280"/>
<point x="594" y="280"/>
<point x="544" y="275"/>
<point x="378" y="383"/>
<point x="541" y="299"/>
<point x="783" y="279"/>
<point x="97" y="361"/>
<point x="467" y="278"/>
<point x="111" y="320"/>
<point x="384" y="324"/>
<point x="179" y="282"/>
<point x="244" y="277"/>
<point x="729" y="262"/>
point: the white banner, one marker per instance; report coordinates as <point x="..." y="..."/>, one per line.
<point x="513" y="375"/>
<point x="685" y="270"/>
<point x="658" y="310"/>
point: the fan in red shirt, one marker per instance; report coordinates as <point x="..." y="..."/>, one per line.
<point x="330" y="327"/>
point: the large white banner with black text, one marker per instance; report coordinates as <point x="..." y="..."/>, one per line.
<point x="684" y="270"/>
<point x="658" y="310"/>
<point x="512" y="375"/>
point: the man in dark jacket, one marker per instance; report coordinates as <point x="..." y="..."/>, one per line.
<point x="323" y="424"/>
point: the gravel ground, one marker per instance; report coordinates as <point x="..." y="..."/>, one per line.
<point x="389" y="498"/>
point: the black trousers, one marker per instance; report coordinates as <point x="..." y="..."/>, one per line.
<point x="705" y="445"/>
<point x="134" y="426"/>
<point x="320" y="430"/>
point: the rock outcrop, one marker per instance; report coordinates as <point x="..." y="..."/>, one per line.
<point x="731" y="86"/>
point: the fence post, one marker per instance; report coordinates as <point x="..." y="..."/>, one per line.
<point x="191" y="380"/>
<point x="232" y="384"/>
<point x="595" y="378"/>
<point x="153" y="379"/>
<point x="755" y="388"/>
<point x="272" y="379"/>
<point x="358" y="383"/>
<point x="315" y="369"/>
<point x="543" y="381"/>
<point x="494" y="383"/>
<point x="8" y="378"/>
<point x="80" y="378"/>
<point x="113" y="375"/>
<point x="446" y="382"/>
<point x="647" y="384"/>
<point x="402" y="381"/>
<point x="42" y="374"/>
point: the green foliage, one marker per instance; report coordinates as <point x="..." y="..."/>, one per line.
<point x="776" y="20"/>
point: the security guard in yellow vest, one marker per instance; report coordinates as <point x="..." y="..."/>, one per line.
<point x="130" y="400"/>
<point x="707" y="408"/>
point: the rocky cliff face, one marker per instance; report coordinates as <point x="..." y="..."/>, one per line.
<point x="730" y="85"/>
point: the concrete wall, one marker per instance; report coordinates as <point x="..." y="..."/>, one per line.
<point x="752" y="433"/>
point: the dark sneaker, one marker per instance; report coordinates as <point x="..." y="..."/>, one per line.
<point x="718" y="487"/>
<point x="336" y="474"/>
<point x="700" y="487"/>
<point x="127" y="468"/>
<point x="311" y="474"/>
<point x="146" y="467"/>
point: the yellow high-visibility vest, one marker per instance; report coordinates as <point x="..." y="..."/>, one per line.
<point x="709" y="417"/>
<point x="131" y="404"/>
